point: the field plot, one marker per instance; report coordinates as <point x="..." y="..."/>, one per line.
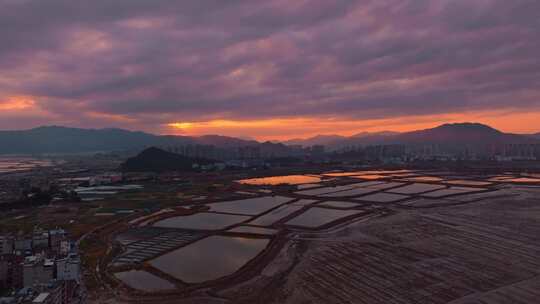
<point x="426" y="179"/>
<point x="339" y="205"/>
<point x="481" y="196"/>
<point x="253" y="230"/>
<point x="325" y="190"/>
<point x="384" y="185"/>
<point x="500" y="178"/>
<point x="370" y="176"/>
<point x="383" y="198"/>
<point x="209" y="259"/>
<point x="343" y="174"/>
<point x="276" y="215"/>
<point x="452" y="191"/>
<point x="138" y="234"/>
<point x="252" y="206"/>
<point x="472" y="183"/>
<point x="524" y="180"/>
<point x="140" y="251"/>
<point x="416" y="189"/>
<point x="317" y="217"/>
<point x="285" y="179"/>
<point x="350" y="193"/>
<point x="308" y="186"/>
<point x="144" y="281"/>
<point x="303" y="202"/>
<point x="202" y="221"/>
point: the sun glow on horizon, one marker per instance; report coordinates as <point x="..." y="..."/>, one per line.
<point x="303" y="127"/>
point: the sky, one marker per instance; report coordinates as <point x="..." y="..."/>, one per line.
<point x="272" y="69"/>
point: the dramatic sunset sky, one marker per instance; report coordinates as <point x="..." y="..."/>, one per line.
<point x="271" y="69"/>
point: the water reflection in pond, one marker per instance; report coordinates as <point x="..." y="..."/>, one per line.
<point x="276" y="215"/>
<point x="316" y="217"/>
<point x="252" y="206"/>
<point x="453" y="191"/>
<point x="416" y="189"/>
<point x="209" y="259"/>
<point x="285" y="179"/>
<point x="202" y="221"/>
<point x="463" y="182"/>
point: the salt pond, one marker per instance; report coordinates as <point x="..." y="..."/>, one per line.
<point x="210" y="258"/>
<point x="341" y="205"/>
<point x="370" y="176"/>
<point x="303" y="202"/>
<point x="308" y="186"/>
<point x="453" y="191"/>
<point x="144" y="281"/>
<point x="325" y="190"/>
<point x="383" y="197"/>
<point x="384" y="186"/>
<point x="253" y="230"/>
<point x="424" y="179"/>
<point x="416" y="189"/>
<point x="524" y="180"/>
<point x="316" y="217"/>
<point x="202" y="221"/>
<point x="463" y="182"/>
<point x="350" y="193"/>
<point x="276" y="215"/>
<point x="251" y="206"/>
<point x="278" y="180"/>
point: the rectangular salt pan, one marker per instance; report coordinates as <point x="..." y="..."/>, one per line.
<point x="145" y="281"/>
<point x="383" y="197"/>
<point x="339" y="205"/>
<point x="452" y="191"/>
<point x="210" y="258"/>
<point x="350" y="193"/>
<point x="253" y="230"/>
<point x="325" y="190"/>
<point x="304" y="202"/>
<point x="385" y="186"/>
<point x="276" y="215"/>
<point x="464" y="182"/>
<point x="316" y="217"/>
<point x="278" y="180"/>
<point x="416" y="189"/>
<point x="202" y="221"/>
<point x="252" y="206"/>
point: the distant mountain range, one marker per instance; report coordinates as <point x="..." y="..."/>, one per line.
<point x="472" y="134"/>
<point x="332" y="140"/>
<point x="53" y="139"/>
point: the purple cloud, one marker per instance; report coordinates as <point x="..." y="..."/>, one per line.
<point x="143" y="63"/>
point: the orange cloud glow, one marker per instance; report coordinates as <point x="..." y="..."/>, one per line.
<point x="16" y="103"/>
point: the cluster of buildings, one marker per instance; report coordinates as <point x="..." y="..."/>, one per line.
<point x="248" y="153"/>
<point x="443" y="152"/>
<point x="43" y="267"/>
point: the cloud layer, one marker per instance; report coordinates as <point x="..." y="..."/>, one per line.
<point x="145" y="64"/>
